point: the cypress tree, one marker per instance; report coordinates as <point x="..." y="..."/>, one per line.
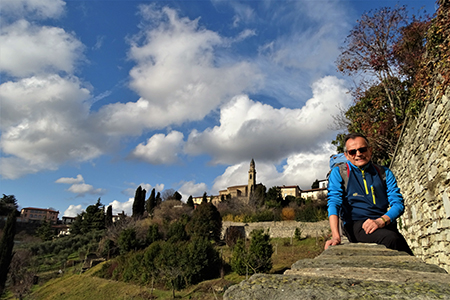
<point x="139" y="202"/>
<point x="6" y="248"/>
<point x="151" y="203"/>
<point x="177" y="196"/>
<point x="108" y="218"/>
<point x="190" y="202"/>
<point x="158" y="199"/>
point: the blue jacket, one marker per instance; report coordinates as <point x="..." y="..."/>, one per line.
<point x="367" y="197"/>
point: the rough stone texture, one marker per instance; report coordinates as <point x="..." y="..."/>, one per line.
<point x="422" y="168"/>
<point x="350" y="271"/>
<point x="283" y="229"/>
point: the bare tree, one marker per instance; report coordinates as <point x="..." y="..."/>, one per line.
<point x="370" y="49"/>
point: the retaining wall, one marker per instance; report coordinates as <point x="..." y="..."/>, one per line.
<point x="422" y="169"/>
<point x="283" y="229"/>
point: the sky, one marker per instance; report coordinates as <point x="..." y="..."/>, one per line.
<point x="99" y="97"/>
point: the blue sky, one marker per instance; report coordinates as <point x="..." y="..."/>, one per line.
<point x="99" y="97"/>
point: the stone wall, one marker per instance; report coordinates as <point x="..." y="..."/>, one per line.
<point x="283" y="229"/>
<point x="422" y="169"/>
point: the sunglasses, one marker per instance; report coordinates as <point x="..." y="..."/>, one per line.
<point x="353" y="151"/>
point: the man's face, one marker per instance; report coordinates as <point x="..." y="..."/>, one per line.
<point x="358" y="158"/>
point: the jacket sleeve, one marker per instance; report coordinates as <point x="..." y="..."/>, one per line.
<point x="395" y="198"/>
<point x="335" y="191"/>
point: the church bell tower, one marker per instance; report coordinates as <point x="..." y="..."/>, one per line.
<point x="251" y="179"/>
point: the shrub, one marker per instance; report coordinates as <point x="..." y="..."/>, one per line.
<point x="239" y="258"/>
<point x="127" y="240"/>
<point x="257" y="258"/>
<point x="233" y="234"/>
<point x="288" y="214"/>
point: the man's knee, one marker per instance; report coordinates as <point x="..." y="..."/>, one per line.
<point x="394" y="240"/>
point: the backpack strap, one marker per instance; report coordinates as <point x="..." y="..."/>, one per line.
<point x="382" y="173"/>
<point x="344" y="170"/>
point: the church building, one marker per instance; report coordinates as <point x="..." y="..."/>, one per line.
<point x="244" y="192"/>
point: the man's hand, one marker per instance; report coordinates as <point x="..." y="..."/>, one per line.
<point x="370" y="225"/>
<point x="332" y="242"/>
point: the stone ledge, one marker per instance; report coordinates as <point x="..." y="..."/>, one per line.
<point x="350" y="271"/>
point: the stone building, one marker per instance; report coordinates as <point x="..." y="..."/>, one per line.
<point x="245" y="191"/>
<point x="38" y="215"/>
<point x="242" y="191"/>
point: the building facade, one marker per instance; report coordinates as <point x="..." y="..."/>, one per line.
<point x="38" y="215"/>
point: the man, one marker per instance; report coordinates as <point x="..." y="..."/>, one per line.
<point x="369" y="206"/>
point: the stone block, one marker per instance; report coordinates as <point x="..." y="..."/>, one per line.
<point x="446" y="200"/>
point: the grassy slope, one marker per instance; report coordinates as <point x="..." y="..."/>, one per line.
<point x="86" y="286"/>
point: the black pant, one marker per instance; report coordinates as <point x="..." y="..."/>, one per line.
<point x="388" y="236"/>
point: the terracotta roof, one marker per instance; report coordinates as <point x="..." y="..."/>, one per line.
<point x="43" y="209"/>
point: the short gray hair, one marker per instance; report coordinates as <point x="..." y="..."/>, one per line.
<point x="352" y="136"/>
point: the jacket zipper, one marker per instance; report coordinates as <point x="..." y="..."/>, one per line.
<point x="373" y="194"/>
<point x="365" y="182"/>
<point x="371" y="187"/>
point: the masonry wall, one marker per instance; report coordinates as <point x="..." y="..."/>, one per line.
<point x="422" y="169"/>
<point x="283" y="229"/>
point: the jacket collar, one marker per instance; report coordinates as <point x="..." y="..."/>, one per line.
<point x="352" y="166"/>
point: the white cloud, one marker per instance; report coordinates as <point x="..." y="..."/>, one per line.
<point x="190" y="188"/>
<point x="73" y="210"/>
<point x="27" y="49"/>
<point x="177" y="76"/>
<point x="148" y="188"/>
<point x="79" y="187"/>
<point x="252" y="129"/>
<point x="118" y="207"/>
<point x="37" y="8"/>
<point x="160" y="149"/>
<point x="45" y="122"/>
<point x="300" y="169"/>
<point x="70" y="180"/>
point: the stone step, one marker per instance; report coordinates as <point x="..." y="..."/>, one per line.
<point x="350" y="271"/>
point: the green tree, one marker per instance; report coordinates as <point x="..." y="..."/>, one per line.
<point x="315" y="184"/>
<point x="190" y="202"/>
<point x="153" y="234"/>
<point x="45" y="231"/>
<point x="177" y="231"/>
<point x="6" y="247"/>
<point x="150" y="259"/>
<point x="77" y="225"/>
<point x="158" y="199"/>
<point x="257" y="258"/>
<point x="202" y="261"/>
<point x="274" y="197"/>
<point x="139" y="202"/>
<point x="151" y="203"/>
<point x="370" y="117"/>
<point x="127" y="240"/>
<point x="204" y="198"/>
<point x="258" y="197"/>
<point x="109" y="217"/>
<point x="205" y="222"/>
<point x="177" y="196"/>
<point x="94" y="218"/>
<point x="260" y="252"/>
<point x="239" y="260"/>
<point x="8" y="203"/>
<point x="171" y="266"/>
